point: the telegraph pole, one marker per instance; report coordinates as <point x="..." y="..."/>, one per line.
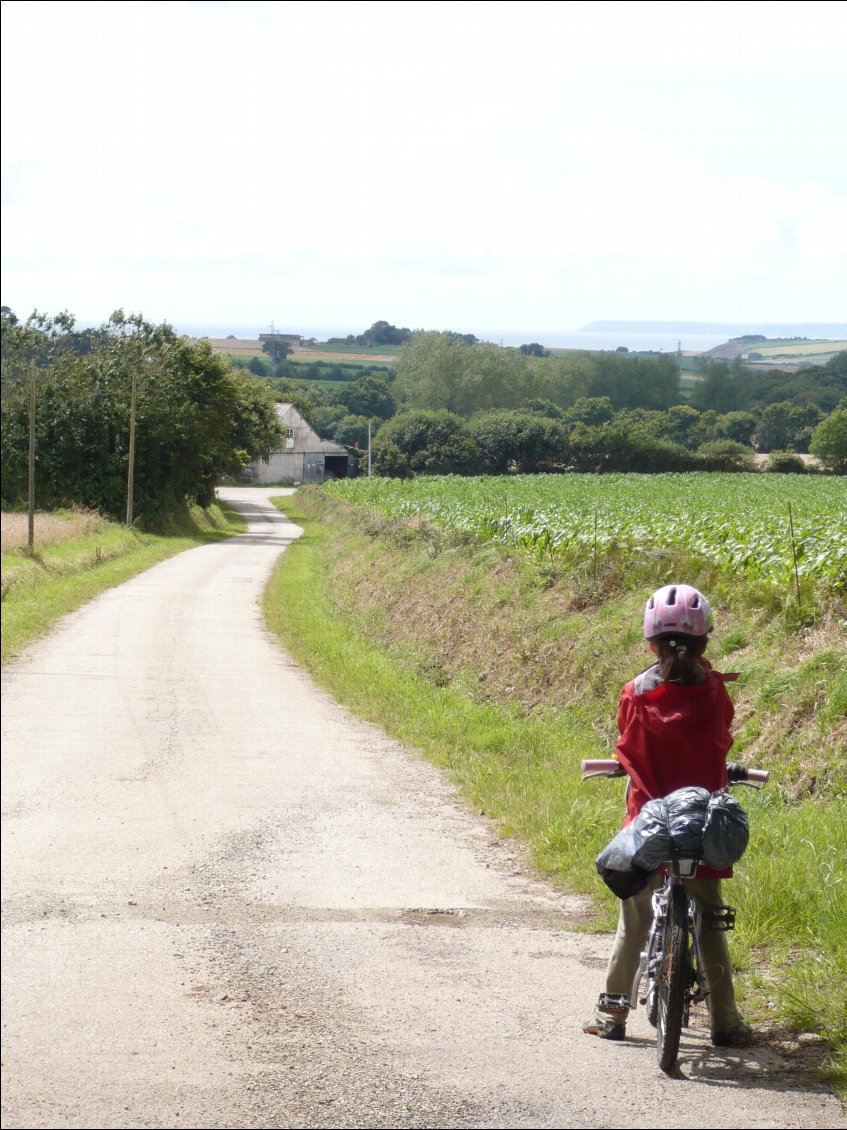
<point x="31" y="506"/>
<point x="130" y="479"/>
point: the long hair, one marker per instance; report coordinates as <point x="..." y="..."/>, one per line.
<point x="678" y="659"/>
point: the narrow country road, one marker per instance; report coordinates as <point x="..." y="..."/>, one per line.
<point x="227" y="903"/>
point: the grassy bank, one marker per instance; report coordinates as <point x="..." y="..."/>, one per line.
<point x="77" y="555"/>
<point x="505" y="671"/>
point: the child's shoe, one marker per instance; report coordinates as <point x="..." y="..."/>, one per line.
<point x="741" y="1036"/>
<point x="609" y="1020"/>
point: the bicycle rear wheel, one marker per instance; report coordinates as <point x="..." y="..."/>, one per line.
<point x="673" y="980"/>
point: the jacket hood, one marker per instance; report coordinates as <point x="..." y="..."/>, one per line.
<point x="670" y="711"/>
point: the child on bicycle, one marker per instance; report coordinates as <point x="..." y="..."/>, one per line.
<point x="673" y="721"/>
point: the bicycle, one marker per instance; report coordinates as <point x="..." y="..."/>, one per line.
<point x="672" y="961"/>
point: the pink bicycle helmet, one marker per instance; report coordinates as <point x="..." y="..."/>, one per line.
<point x="677" y="610"/>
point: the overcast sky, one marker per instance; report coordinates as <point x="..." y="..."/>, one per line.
<point x="479" y="167"/>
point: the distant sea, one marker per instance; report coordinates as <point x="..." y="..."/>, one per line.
<point x="664" y="340"/>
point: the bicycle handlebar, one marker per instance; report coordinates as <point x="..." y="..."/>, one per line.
<point x="738" y="774"/>
<point x="741" y="775"/>
<point x="602" y="767"/>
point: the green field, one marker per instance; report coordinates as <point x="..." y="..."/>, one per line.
<point x="341" y="363"/>
<point x="387" y="351"/>
<point x="739" y="522"/>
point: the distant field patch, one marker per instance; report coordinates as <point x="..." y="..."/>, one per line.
<point x="248" y="347"/>
<point x="379" y="354"/>
<point x="799" y="348"/>
<point x="235" y="347"/>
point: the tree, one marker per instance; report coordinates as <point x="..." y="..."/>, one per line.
<point x="705" y="430"/>
<point x="829" y="440"/>
<point x="646" y="422"/>
<point x="257" y="367"/>
<point x="352" y="431"/>
<point x="369" y="396"/>
<point x="591" y="410"/>
<point x="383" y="333"/>
<point x="719" y="388"/>
<point x="426" y="442"/>
<point x="613" y="447"/>
<point x="726" y="455"/>
<point x="680" y="424"/>
<point x="541" y="407"/>
<point x="738" y="426"/>
<point x="786" y="463"/>
<point x="510" y="440"/>
<point x="434" y="371"/>
<point x="277" y="348"/>
<point x="785" y="426"/>
<point x="325" y="419"/>
<point x="635" y="382"/>
<point x="533" y="349"/>
<point x="197" y="418"/>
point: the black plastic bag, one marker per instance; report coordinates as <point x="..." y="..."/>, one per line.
<point x="686" y="816"/>
<point x="689" y="822"/>
<point x="726" y="831"/>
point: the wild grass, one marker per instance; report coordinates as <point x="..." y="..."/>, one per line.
<point x="506" y="671"/>
<point x="49" y="527"/>
<point x="78" y="556"/>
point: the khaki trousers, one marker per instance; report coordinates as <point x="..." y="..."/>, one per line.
<point x="636" y="915"/>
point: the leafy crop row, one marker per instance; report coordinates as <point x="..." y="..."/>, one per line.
<point x="742" y="523"/>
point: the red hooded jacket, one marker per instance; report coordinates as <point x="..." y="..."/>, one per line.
<point x="672" y="737"/>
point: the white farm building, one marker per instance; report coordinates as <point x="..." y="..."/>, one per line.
<point x="304" y="457"/>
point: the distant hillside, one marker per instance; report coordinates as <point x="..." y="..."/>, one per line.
<point x="837" y="330"/>
<point x="788" y="355"/>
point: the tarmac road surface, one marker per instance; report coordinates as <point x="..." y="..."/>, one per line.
<point x="228" y="903"/>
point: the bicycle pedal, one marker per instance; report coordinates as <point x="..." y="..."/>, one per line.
<point x="720" y="918"/>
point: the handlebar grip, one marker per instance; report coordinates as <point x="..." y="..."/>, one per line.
<point x="740" y="774"/>
<point x="602" y="766"/>
<point x="760" y="775"/>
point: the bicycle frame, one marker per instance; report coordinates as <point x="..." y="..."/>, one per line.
<point x="651" y="956"/>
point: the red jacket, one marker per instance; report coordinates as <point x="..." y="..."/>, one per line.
<point x="672" y="737"/>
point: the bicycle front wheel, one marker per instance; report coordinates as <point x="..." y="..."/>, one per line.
<point x="673" y="980"/>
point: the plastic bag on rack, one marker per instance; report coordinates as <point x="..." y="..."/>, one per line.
<point x="726" y="831"/>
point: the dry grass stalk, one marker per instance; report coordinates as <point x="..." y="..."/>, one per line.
<point x="14" y="528"/>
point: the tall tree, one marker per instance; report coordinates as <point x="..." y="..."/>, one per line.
<point x="829" y="440"/>
<point x="432" y="442"/>
<point x="369" y="396"/>
<point x="196" y="419"/>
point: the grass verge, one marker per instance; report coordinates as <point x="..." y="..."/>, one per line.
<point x="506" y="677"/>
<point x="65" y="572"/>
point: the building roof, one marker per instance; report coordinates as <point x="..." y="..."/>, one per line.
<point x="306" y="439"/>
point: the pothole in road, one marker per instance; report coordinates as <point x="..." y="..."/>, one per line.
<point x="434" y="916"/>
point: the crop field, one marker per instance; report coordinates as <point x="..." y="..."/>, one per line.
<point x="755" y="525"/>
<point x="338" y="349"/>
<point x="332" y="354"/>
<point x="799" y="348"/>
